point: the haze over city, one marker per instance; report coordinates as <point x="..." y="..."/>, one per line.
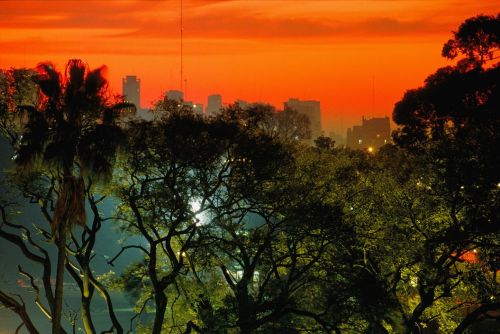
<point x="355" y="57"/>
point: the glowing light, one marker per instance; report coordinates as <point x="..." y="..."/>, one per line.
<point x="370" y="149"/>
<point x="199" y="216"/>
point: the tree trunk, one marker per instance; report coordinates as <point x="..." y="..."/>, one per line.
<point x="58" y="300"/>
<point x="87" y="293"/>
<point x="246" y="316"/>
<point x="86" y="318"/>
<point x="161" y="307"/>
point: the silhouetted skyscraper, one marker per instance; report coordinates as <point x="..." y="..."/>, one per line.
<point x="175" y="95"/>
<point x="312" y="110"/>
<point x="131" y="90"/>
<point x="214" y="104"/>
<point x="370" y="135"/>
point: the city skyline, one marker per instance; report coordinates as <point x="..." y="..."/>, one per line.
<point x="356" y="57"/>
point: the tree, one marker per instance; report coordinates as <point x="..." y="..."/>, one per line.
<point x="72" y="132"/>
<point x="220" y="203"/>
<point x="172" y="169"/>
<point x="477" y="38"/>
<point x="17" y="88"/>
<point x="451" y="122"/>
<point x="285" y="124"/>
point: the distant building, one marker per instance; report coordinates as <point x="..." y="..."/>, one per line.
<point x="131" y="90"/>
<point x="175" y="95"/>
<point x="338" y="138"/>
<point x="370" y="135"/>
<point x="197" y="107"/>
<point x="214" y="104"/>
<point x="312" y="110"/>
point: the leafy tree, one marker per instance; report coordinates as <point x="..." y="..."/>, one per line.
<point x="451" y="122"/>
<point x="324" y="143"/>
<point x="477" y="39"/>
<point x="172" y="170"/>
<point x="221" y="194"/>
<point x="17" y="88"/>
<point x="285" y="124"/>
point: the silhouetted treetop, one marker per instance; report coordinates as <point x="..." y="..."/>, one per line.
<point x="74" y="119"/>
<point x="456" y="101"/>
<point x="477" y="39"/>
<point x="450" y="104"/>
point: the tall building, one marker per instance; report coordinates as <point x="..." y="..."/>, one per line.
<point x="370" y="135"/>
<point x="312" y="110"/>
<point x="214" y="104"/>
<point x="175" y="95"/>
<point x="131" y="90"/>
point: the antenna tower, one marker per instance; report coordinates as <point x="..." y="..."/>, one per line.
<point x="373" y="95"/>
<point x="182" y="49"/>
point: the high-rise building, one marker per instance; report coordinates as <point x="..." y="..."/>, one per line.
<point x="175" y="95"/>
<point x="370" y="135"/>
<point x="131" y="90"/>
<point x="214" y="104"/>
<point x="312" y="110"/>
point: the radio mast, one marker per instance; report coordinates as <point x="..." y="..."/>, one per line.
<point x="182" y="49"/>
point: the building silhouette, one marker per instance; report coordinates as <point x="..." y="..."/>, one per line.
<point x="175" y="95"/>
<point x="370" y="135"/>
<point x="312" y="110"/>
<point x="131" y="90"/>
<point x="214" y="104"/>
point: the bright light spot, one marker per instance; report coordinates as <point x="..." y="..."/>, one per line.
<point x="200" y="217"/>
<point x="370" y="149"/>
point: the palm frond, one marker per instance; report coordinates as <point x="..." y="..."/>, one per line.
<point x="49" y="80"/>
<point x="75" y="73"/>
<point x="95" y="82"/>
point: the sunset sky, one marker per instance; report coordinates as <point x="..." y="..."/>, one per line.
<point x="356" y="57"/>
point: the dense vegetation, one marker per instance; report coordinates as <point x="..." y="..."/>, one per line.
<point x="238" y="227"/>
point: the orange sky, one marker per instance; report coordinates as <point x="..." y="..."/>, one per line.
<point x="334" y="51"/>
